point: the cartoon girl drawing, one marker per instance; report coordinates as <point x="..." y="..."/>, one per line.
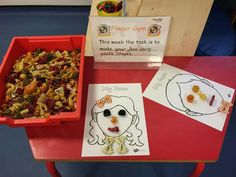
<point x="181" y="85"/>
<point x="114" y="117"/>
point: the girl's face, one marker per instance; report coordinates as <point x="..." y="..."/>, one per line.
<point x="114" y="121"/>
<point x="199" y="105"/>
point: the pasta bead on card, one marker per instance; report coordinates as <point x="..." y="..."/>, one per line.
<point x="196" y="88"/>
<point x="190" y="98"/>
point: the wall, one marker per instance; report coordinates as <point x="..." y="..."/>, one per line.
<point x="45" y="2"/>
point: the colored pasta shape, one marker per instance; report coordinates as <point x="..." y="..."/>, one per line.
<point x="42" y="83"/>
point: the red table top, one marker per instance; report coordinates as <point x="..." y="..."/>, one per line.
<point x="172" y="136"/>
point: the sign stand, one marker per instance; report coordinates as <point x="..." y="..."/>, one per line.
<point x="129" y="42"/>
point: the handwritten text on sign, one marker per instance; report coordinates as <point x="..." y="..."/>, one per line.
<point x="129" y="39"/>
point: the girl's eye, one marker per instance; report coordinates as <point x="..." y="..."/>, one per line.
<point x="122" y="112"/>
<point x="106" y="113"/>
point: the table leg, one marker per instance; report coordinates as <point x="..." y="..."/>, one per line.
<point x="52" y="169"/>
<point x="198" y="169"/>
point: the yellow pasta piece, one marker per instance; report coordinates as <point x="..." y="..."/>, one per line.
<point x="42" y="54"/>
<point x="24" y="111"/>
<point x="70" y="100"/>
<point x="10" y="89"/>
<point x="60" y="91"/>
<point x="23" y="76"/>
<point x="50" y="90"/>
<point x="42" y="98"/>
<point x="36" y="73"/>
<point x="56" y="98"/>
<point x="58" y="104"/>
<point x="37" y="92"/>
<point x="15" y="107"/>
<point x="42" y="108"/>
<point x="58" y="54"/>
<point x="18" y="66"/>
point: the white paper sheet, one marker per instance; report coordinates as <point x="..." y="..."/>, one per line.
<point x="129" y="39"/>
<point x="106" y="106"/>
<point x="171" y="86"/>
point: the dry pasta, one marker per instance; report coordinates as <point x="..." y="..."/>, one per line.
<point x="42" y="83"/>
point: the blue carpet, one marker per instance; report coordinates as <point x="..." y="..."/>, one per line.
<point x="15" y="155"/>
<point x="38" y="21"/>
<point x="214" y="36"/>
<point x="16" y="159"/>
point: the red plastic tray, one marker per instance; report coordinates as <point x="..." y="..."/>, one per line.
<point x="21" y="45"/>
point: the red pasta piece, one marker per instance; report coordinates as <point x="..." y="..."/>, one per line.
<point x="212" y="100"/>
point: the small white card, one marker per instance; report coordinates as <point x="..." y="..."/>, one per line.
<point x="172" y="86"/>
<point x="129" y="39"/>
<point x="115" y="122"/>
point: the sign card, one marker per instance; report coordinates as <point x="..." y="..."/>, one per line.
<point x="129" y="39"/>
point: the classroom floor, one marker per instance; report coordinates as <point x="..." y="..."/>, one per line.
<point x="16" y="159"/>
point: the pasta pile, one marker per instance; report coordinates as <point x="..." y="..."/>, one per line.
<point x="41" y="84"/>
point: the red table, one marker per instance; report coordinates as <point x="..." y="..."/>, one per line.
<point x="172" y="136"/>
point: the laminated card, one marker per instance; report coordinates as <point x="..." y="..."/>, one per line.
<point x="115" y="123"/>
<point x="196" y="97"/>
<point x="129" y="39"/>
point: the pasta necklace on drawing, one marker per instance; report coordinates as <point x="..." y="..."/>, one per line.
<point x="120" y="141"/>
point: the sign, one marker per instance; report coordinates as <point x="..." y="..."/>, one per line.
<point x="129" y="39"/>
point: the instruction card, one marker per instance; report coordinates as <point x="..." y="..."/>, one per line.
<point x="115" y="123"/>
<point x="129" y="39"/>
<point x="191" y="95"/>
